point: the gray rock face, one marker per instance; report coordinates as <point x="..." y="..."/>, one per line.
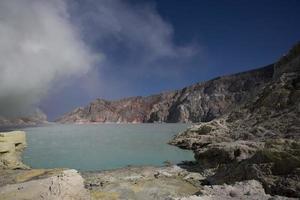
<point x="260" y="139"/>
<point x="200" y="102"/>
<point x="131" y="110"/>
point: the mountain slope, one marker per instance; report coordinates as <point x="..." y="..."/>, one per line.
<point x="199" y="102"/>
<point x="257" y="140"/>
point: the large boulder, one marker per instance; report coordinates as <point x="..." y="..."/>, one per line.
<point x="276" y="166"/>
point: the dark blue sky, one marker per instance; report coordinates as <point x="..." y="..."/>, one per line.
<point x="187" y="41"/>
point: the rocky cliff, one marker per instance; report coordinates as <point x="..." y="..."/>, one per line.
<point x="199" y="102"/>
<point x="260" y="139"/>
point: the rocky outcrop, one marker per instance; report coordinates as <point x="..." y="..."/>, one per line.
<point x="199" y="102"/>
<point x="136" y="183"/>
<point x="276" y="166"/>
<point x="140" y="183"/>
<point x="167" y="183"/>
<point x="47" y="184"/>
<point x="247" y="190"/>
<point x="259" y="139"/>
<point x="12" y="145"/>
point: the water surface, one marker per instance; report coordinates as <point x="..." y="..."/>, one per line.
<point x="102" y="146"/>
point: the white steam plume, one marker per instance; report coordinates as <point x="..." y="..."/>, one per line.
<point x="38" y="46"/>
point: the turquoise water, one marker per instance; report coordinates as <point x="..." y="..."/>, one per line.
<point x="102" y="146"/>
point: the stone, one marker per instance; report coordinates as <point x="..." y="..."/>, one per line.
<point x="248" y="190"/>
<point x="11" y="146"/>
<point x="138" y="183"/>
<point x="67" y="185"/>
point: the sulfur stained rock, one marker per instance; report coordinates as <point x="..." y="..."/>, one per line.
<point x="66" y="184"/>
<point x="141" y="183"/>
<point x="276" y="166"/>
<point x="248" y="190"/>
<point x="12" y="145"/>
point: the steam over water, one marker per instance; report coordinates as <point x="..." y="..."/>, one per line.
<point x="104" y="146"/>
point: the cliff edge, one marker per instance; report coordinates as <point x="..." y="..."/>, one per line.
<point x="257" y="140"/>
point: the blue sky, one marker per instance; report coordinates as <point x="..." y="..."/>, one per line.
<point x="151" y="46"/>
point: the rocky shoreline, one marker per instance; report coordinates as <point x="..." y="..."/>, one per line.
<point x="178" y="182"/>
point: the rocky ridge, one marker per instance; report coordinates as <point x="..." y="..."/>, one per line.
<point x="199" y="102"/>
<point x="257" y="140"/>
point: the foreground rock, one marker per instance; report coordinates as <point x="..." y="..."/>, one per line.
<point x="135" y="183"/>
<point x="138" y="183"/>
<point x="18" y="182"/>
<point x="171" y="183"/>
<point x="257" y="140"/>
<point x="247" y="190"/>
<point x="12" y="145"/>
<point x="44" y="184"/>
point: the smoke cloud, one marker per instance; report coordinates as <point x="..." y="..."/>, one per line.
<point x="46" y="44"/>
<point x="138" y="44"/>
<point x="38" y="47"/>
<point x="137" y="30"/>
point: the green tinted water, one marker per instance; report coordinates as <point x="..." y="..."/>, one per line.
<point x="103" y="146"/>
